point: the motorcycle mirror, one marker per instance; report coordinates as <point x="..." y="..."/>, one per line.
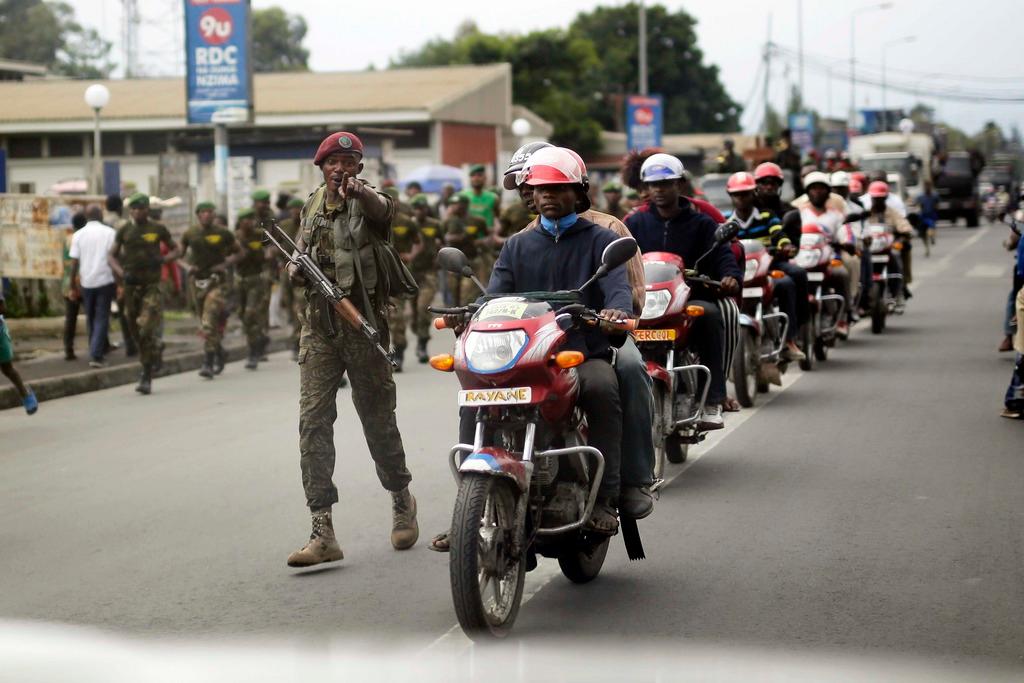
<point x="454" y="261"/>
<point x="617" y="253"/>
<point x="726" y="231"/>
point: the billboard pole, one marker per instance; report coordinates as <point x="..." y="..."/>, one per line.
<point x="220" y="166"/>
<point x="642" y="49"/>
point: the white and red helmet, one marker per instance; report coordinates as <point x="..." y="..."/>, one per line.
<point x="553" y="166"/>
<point x="740" y="182"/>
<point x="878" y="189"/>
<point x="768" y="169"/>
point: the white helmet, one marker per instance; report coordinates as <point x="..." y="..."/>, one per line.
<point x="661" y="167"/>
<point x="839" y="179"/>
<point x="815" y="177"/>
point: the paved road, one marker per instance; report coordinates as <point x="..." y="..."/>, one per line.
<point x="873" y="507"/>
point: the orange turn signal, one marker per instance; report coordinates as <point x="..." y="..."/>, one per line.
<point x="445" y="362"/>
<point x="836" y="263"/>
<point x="694" y="311"/>
<point x="898" y="246"/>
<point x="439" y="324"/>
<point x="778" y="275"/>
<point x="569" y="359"/>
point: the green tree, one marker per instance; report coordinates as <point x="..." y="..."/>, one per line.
<point x="47" y="33"/>
<point x="277" y="41"/>
<point x="695" y="99"/>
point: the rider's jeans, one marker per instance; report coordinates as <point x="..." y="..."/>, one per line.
<point x="708" y="338"/>
<point x="637" y="399"/>
<point x="599" y="399"/>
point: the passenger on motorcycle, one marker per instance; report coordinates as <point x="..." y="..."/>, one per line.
<point x="670" y="223"/>
<point x="881" y="212"/>
<point x="634" y="383"/>
<point x="827" y="209"/>
<point x="761" y="225"/>
<point x="851" y="238"/>
<point x="562" y="255"/>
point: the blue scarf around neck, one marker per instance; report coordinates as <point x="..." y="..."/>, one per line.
<point x="557" y="227"/>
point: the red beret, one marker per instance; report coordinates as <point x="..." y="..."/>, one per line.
<point x="338" y="142"/>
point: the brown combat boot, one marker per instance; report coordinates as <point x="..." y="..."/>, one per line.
<point x="322" y="545"/>
<point x="404" y="529"/>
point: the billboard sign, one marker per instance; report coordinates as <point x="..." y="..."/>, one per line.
<point x="644" y="115"/>
<point x="218" y="61"/>
<point x="801" y="127"/>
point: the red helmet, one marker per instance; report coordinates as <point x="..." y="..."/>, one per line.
<point x="859" y="175"/>
<point x="552" y="166"/>
<point x="768" y="170"/>
<point x="856" y="186"/>
<point x="740" y="182"/>
<point x="879" y="189"/>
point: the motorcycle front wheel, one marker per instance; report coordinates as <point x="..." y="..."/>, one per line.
<point x="808" y="335"/>
<point x="486" y="579"/>
<point x="658" y="428"/>
<point x="878" y="308"/>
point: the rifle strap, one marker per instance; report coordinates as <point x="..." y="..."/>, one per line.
<point x="356" y="262"/>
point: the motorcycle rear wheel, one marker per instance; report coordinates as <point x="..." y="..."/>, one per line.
<point x="582" y="562"/>
<point x="745" y="363"/>
<point x="487" y="583"/>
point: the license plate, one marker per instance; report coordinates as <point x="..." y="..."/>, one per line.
<point x="654" y="335"/>
<point x="879" y="259"/>
<point x="815" y="277"/>
<point x="756" y="292"/>
<point x="495" y="397"/>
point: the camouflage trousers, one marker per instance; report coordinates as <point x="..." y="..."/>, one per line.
<point x="254" y="307"/>
<point x="210" y="306"/>
<point x="463" y="288"/>
<point x="422" y="318"/>
<point x="144" y="312"/>
<point x="322" y="363"/>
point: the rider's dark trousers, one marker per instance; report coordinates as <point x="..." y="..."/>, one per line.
<point x="784" y="292"/>
<point x="599" y="399"/>
<point x="799" y="277"/>
<point x="708" y="338"/>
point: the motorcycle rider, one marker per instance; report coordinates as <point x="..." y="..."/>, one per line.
<point x="851" y="237"/>
<point x="669" y="222"/>
<point x="883" y="213"/>
<point x="762" y="226"/>
<point x="770" y="179"/>
<point x="828" y="210"/>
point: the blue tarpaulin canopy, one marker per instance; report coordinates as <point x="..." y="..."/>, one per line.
<point x="431" y="178"/>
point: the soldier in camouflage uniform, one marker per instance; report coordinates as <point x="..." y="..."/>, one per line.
<point x="406" y="238"/>
<point x="292" y="298"/>
<point x="424" y="268"/>
<point x="261" y="205"/>
<point x="470" y="234"/>
<point x="613" y="200"/>
<point x="136" y="261"/>
<point x="253" y="283"/>
<point x="213" y="250"/>
<point x="340" y="222"/>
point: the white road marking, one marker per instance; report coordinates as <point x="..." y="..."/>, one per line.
<point x="989" y="270"/>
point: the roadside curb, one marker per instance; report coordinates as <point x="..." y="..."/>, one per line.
<point x="96" y="380"/>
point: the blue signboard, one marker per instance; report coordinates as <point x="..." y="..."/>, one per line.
<point x="643" y="121"/>
<point x="111" y="177"/>
<point x="219" y="69"/>
<point x="801" y="128"/>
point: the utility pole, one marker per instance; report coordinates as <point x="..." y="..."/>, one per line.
<point x="800" y="44"/>
<point x="642" y="49"/>
<point x="129" y="37"/>
<point x="767" y="76"/>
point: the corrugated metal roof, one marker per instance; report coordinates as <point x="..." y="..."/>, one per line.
<point x="306" y="93"/>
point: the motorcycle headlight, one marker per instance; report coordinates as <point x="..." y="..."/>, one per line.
<point x="750" y="270"/>
<point x="655" y="304"/>
<point x="807" y="258"/>
<point x="879" y="244"/>
<point x="488" y="352"/>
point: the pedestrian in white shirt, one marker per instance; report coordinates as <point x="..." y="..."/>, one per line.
<point x="93" y="279"/>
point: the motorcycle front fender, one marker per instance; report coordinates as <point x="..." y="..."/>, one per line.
<point x="749" y="322"/>
<point x="498" y="462"/>
<point x="658" y="373"/>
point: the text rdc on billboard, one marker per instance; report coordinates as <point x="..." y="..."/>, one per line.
<point x="218" y="61"/>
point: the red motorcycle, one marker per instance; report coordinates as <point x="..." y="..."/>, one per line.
<point x="827" y="307"/>
<point x="662" y="335"/>
<point x="756" y="362"/>
<point x="528" y="483"/>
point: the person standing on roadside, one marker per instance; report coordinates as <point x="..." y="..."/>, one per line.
<point x="613" y="200"/>
<point x="92" y="280"/>
<point x="468" y="232"/>
<point x="137" y="263"/>
<point x="72" y="300"/>
<point x="291" y="295"/>
<point x="485" y="205"/>
<point x="212" y="250"/>
<point x="406" y="238"/>
<point x="423" y="266"/>
<point x="28" y="397"/>
<point x="253" y="283"/>
<point x="341" y="223"/>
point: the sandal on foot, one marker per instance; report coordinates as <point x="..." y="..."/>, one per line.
<point x="604" y="519"/>
<point x="441" y="543"/>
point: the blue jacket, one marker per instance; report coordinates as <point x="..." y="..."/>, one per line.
<point x="535" y="261"/>
<point x="689" y="235"/>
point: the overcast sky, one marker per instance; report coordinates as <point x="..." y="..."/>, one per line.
<point x="968" y="48"/>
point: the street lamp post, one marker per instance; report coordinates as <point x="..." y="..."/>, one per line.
<point x="97" y="96"/>
<point x="886" y="46"/>
<point x="853" y="42"/>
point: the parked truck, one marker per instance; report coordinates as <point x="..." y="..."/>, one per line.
<point x="909" y="154"/>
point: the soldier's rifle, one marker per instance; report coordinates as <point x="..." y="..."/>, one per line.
<point x="322" y="284"/>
